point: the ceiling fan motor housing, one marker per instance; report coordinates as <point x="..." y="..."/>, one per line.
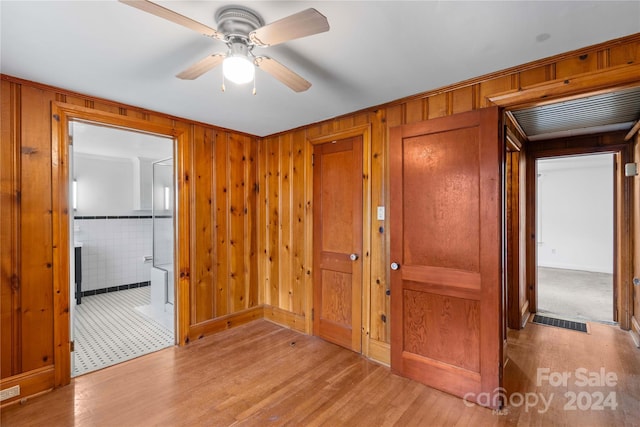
<point x="238" y="21"/>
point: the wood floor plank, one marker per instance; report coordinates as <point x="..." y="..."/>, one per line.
<point x="262" y="374"/>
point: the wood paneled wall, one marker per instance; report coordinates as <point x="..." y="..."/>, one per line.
<point x="217" y="229"/>
<point x="224" y="270"/>
<point x="284" y="204"/>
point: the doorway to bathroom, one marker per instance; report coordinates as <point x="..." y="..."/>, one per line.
<point x="121" y="264"/>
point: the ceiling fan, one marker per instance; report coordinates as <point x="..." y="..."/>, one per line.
<point x="242" y="29"/>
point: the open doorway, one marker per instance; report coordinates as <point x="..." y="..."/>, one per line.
<point x="121" y="263"/>
<point x="574" y="229"/>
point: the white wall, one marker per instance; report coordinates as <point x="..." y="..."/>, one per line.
<point x="575" y="213"/>
<point x="104" y="185"/>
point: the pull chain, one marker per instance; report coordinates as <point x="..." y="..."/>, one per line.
<point x="254" y="83"/>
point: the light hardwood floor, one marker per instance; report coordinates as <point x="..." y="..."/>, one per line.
<point x="263" y="374"/>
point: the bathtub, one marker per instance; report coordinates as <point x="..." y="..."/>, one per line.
<point x="162" y="288"/>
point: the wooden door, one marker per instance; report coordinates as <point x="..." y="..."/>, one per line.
<point x="446" y="227"/>
<point x="337" y="237"/>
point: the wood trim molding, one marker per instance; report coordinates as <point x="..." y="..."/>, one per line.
<point x="601" y="81"/>
<point x="635" y="129"/>
<point x="62" y="114"/>
<point x="513" y="71"/>
<point x="635" y="331"/>
<point x="365" y="132"/>
<point x="120" y="106"/>
<point x="32" y="383"/>
<point x="380" y="352"/>
<point x="200" y="330"/>
<point x="285" y="318"/>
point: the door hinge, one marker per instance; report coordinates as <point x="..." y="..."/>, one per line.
<point x="72" y="346"/>
<point x="312" y="314"/>
<point x="313" y="160"/>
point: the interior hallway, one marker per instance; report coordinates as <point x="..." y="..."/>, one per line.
<point x="261" y="373"/>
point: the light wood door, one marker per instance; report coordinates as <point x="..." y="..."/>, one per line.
<point x="337" y="237"/>
<point x="446" y="231"/>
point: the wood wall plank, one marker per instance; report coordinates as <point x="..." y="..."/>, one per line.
<point x="379" y="300"/>
<point x="438" y="105"/>
<point x="577" y="65"/>
<point x="273" y="222"/>
<point x="236" y="161"/>
<point x="10" y="318"/>
<point x="36" y="244"/>
<point x="222" y="225"/>
<point x="285" y="285"/>
<point x="202" y="283"/>
<point x="250" y="222"/>
<point x="624" y="54"/>
<point x="535" y="75"/>
<point x="463" y="100"/>
<point x="298" y="223"/>
<point x="414" y="110"/>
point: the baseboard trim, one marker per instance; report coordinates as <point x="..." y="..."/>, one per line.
<point x="32" y="383"/>
<point x="210" y="327"/>
<point x="380" y="352"/>
<point x="524" y="314"/>
<point x="284" y="318"/>
<point x="635" y="331"/>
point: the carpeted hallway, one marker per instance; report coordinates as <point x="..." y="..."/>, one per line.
<point x="572" y="294"/>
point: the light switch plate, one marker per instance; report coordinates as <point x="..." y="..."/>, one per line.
<point x="380" y="213"/>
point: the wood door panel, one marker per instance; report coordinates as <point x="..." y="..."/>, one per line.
<point x="446" y="234"/>
<point x="336" y="301"/>
<point x="337" y="192"/>
<point x="337" y="202"/>
<point x="452" y="160"/>
<point x="432" y="320"/>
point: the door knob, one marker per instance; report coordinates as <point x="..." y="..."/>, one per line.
<point x="353" y="257"/>
<point x="395" y="266"/>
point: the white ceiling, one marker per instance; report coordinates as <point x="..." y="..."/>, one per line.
<point x="375" y="52"/>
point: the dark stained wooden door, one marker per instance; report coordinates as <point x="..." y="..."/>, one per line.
<point x="446" y="216"/>
<point x="337" y="241"/>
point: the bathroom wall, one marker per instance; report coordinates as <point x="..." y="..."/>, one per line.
<point x="113" y="249"/>
<point x="115" y="236"/>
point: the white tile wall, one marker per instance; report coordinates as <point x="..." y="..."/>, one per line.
<point x="113" y="251"/>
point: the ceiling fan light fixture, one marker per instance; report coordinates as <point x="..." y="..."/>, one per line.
<point x="237" y="66"/>
<point x="238" y="69"/>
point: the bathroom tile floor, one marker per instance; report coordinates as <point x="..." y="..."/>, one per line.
<point x="109" y="330"/>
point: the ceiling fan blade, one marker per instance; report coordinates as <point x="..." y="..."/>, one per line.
<point x="301" y="24"/>
<point x="282" y="73"/>
<point x="170" y="15"/>
<point x="201" y="67"/>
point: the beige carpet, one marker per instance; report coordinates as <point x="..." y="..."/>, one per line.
<point x="572" y="294"/>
